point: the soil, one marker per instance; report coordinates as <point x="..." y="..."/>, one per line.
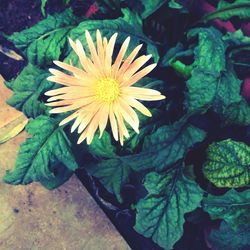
<point x="16" y="15"/>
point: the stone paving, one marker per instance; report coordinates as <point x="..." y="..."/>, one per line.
<point x="33" y="218"/>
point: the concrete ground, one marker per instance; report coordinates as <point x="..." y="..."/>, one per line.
<point x="33" y="218"/>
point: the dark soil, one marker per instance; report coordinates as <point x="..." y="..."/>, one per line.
<point x="16" y="15"/>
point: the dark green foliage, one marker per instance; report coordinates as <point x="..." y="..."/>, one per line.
<point x="227" y="238"/>
<point x="112" y="174"/>
<point x="228" y="164"/>
<point x="158" y="215"/>
<point x="207" y="67"/>
<point x="44" y="42"/>
<point x="226" y="10"/>
<point x="233" y="207"/>
<point x="28" y="89"/>
<point x="128" y="25"/>
<point x="202" y="122"/>
<point x="39" y="154"/>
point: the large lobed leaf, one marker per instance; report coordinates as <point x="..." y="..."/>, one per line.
<point x="167" y="145"/>
<point x="213" y="81"/>
<point x="112" y="174"/>
<point x="164" y="147"/>
<point x="44" y="42"/>
<point x="227" y="238"/>
<point x="28" y="87"/>
<point x="102" y="147"/>
<point x="225" y="10"/>
<point x="150" y="6"/>
<point x="228" y="102"/>
<point x="228" y="164"/>
<point x="207" y="67"/>
<point x="160" y="215"/>
<point x="124" y="26"/>
<point x="39" y="155"/>
<point x="233" y="207"/>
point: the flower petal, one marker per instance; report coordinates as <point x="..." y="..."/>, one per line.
<point x="113" y="122"/>
<point x="83" y="136"/>
<point x="77" y="104"/>
<point x="129" y="60"/>
<point x="69" y="118"/>
<point x="140" y="91"/>
<point x="69" y="93"/>
<point x="129" y="115"/>
<point x="135" y="66"/>
<point x="89" y="113"/>
<point x="120" y="56"/>
<point x="92" y="127"/>
<point x="149" y="97"/>
<point x="70" y="68"/>
<point x="137" y="105"/>
<point x="109" y="53"/>
<point x="68" y="80"/>
<point x="122" y="128"/>
<point x="77" y="121"/>
<point x="99" y="45"/>
<point x="85" y="121"/>
<point x="139" y="75"/>
<point x="92" y="49"/>
<point x="86" y="63"/>
<point x="60" y="103"/>
<point x="103" y="119"/>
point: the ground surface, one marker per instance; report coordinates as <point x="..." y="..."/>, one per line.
<point x="34" y="218"/>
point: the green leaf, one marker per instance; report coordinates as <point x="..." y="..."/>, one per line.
<point x="210" y="52"/>
<point x="61" y="175"/>
<point x="147" y="124"/>
<point x="233" y="207"/>
<point x="228" y="164"/>
<point x="228" y="102"/>
<point x="181" y="68"/>
<point x="207" y="67"/>
<point x="44" y="42"/>
<point x="164" y="147"/>
<point x="112" y="174"/>
<point x="38" y="154"/>
<point x="28" y="87"/>
<point x="228" y="239"/>
<point x="43" y="4"/>
<point x="172" y="54"/>
<point x="238" y="112"/>
<point x="102" y="147"/>
<point x="66" y="2"/>
<point x="160" y="215"/>
<point x="236" y="38"/>
<point x="106" y="6"/>
<point x="201" y="89"/>
<point x="226" y="10"/>
<point x="132" y="18"/>
<point x="150" y="6"/>
<point x="213" y="81"/>
<point x="108" y="28"/>
<point x="180" y="5"/>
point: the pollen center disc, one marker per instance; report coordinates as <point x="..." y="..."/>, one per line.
<point x="107" y="89"/>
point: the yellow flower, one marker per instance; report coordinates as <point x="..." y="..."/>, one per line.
<point x="102" y="91"/>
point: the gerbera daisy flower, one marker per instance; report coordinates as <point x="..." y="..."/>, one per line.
<point x="102" y="91"/>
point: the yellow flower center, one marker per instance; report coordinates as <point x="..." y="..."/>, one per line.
<point x="107" y="89"/>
